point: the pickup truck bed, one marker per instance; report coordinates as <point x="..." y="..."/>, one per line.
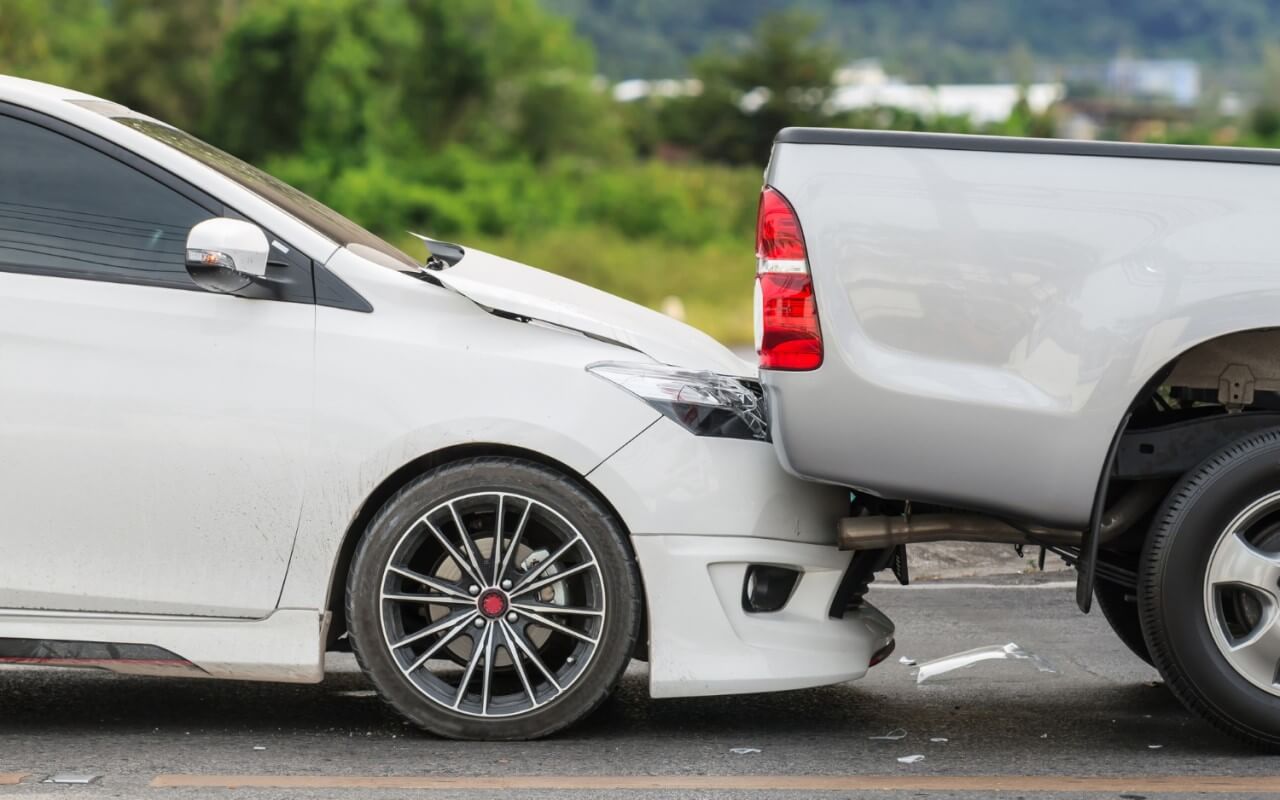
<point x="991" y="307"/>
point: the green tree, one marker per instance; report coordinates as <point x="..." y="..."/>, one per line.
<point x="474" y="61"/>
<point x="306" y="75"/>
<point x="566" y="114"/>
<point x="155" y="57"/>
<point x="784" y="77"/>
<point x="351" y="80"/>
<point x="54" y="41"/>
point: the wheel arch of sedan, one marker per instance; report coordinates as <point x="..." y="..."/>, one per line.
<point x="387" y="488"/>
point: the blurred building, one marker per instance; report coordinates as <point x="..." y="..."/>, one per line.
<point x="1171" y="80"/>
<point x="865" y="84"/>
<point x="629" y="91"/>
<point x="1136" y="99"/>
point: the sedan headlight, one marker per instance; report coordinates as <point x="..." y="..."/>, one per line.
<point x="704" y="403"/>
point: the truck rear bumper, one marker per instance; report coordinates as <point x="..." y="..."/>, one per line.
<point x="834" y="425"/>
<point x="705" y="643"/>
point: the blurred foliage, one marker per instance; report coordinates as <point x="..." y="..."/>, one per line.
<point x="932" y="41"/>
<point x="483" y="121"/>
<point x="458" y="193"/>
<point x="51" y="40"/>
<point x="479" y="121"/>
<point x="158" y="57"/>
<point x="350" y="80"/>
<point x="784" y="77"/>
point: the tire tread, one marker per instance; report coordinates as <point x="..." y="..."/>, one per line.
<point x="1151" y="586"/>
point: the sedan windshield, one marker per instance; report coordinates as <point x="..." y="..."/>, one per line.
<point x="304" y="208"/>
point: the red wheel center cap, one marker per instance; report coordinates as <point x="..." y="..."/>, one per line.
<point x="493" y="604"/>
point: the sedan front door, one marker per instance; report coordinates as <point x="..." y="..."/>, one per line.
<point x="153" y="436"/>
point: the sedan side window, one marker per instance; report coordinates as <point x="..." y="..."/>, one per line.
<point x="67" y="209"/>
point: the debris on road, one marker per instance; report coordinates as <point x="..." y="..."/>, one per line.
<point x="907" y="662"/>
<point x="939" y="739"/>
<point x="911" y="759"/>
<point x="357" y="693"/>
<point x="72" y="777"/>
<point x="1008" y="652"/>
<point x="892" y="736"/>
<point x="743" y="751"/>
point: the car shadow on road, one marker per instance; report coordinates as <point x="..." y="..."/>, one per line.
<point x="1072" y="718"/>
<point x="981" y="714"/>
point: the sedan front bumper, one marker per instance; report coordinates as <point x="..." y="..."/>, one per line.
<point x="701" y="511"/>
<point x="703" y="642"/>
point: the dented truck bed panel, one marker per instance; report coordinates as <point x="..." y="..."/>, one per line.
<point x="990" y="308"/>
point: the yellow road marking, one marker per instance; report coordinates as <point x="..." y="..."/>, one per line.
<point x="773" y="783"/>
<point x="11" y="778"/>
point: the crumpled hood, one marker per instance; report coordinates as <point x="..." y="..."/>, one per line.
<point x="515" y="288"/>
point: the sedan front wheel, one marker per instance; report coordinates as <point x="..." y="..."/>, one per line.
<point x="494" y="599"/>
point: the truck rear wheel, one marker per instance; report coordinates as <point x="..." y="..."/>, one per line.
<point x="1209" y="590"/>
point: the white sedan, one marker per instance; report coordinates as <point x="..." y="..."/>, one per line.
<point x="239" y="431"/>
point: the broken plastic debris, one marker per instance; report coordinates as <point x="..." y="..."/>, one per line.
<point x="1008" y="652"/>
<point x="743" y="751"/>
<point x="908" y="662"/>
<point x="911" y="759"/>
<point x="259" y="747"/>
<point x="1154" y="746"/>
<point x="938" y="739"/>
<point x="892" y="736"/>
<point x="72" y="777"/>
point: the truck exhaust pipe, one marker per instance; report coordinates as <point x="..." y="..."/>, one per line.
<point x="874" y="533"/>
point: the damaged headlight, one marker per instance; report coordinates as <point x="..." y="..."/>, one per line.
<point x="705" y="403"/>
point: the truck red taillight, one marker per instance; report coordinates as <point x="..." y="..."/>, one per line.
<point x="787" y="333"/>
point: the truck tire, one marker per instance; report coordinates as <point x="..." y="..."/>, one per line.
<point x="1209" y="590"/>
<point x="1121" y="612"/>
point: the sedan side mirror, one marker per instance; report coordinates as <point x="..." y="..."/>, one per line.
<point x="226" y="255"/>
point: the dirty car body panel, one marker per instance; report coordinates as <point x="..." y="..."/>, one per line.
<point x="235" y="454"/>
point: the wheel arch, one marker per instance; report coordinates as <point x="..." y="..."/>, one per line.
<point x="1233" y="366"/>
<point x="384" y="491"/>
<point x="1203" y="365"/>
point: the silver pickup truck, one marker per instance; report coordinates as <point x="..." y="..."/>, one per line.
<point x="1067" y="344"/>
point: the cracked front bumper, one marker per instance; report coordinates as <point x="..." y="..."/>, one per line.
<point x="701" y="511"/>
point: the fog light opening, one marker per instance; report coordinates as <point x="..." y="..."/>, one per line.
<point x="768" y="588"/>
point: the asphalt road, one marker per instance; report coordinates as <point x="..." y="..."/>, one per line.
<point x="1101" y="718"/>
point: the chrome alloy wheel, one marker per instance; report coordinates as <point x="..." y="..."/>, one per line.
<point x="1242" y="593"/>
<point x="492" y="604"/>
